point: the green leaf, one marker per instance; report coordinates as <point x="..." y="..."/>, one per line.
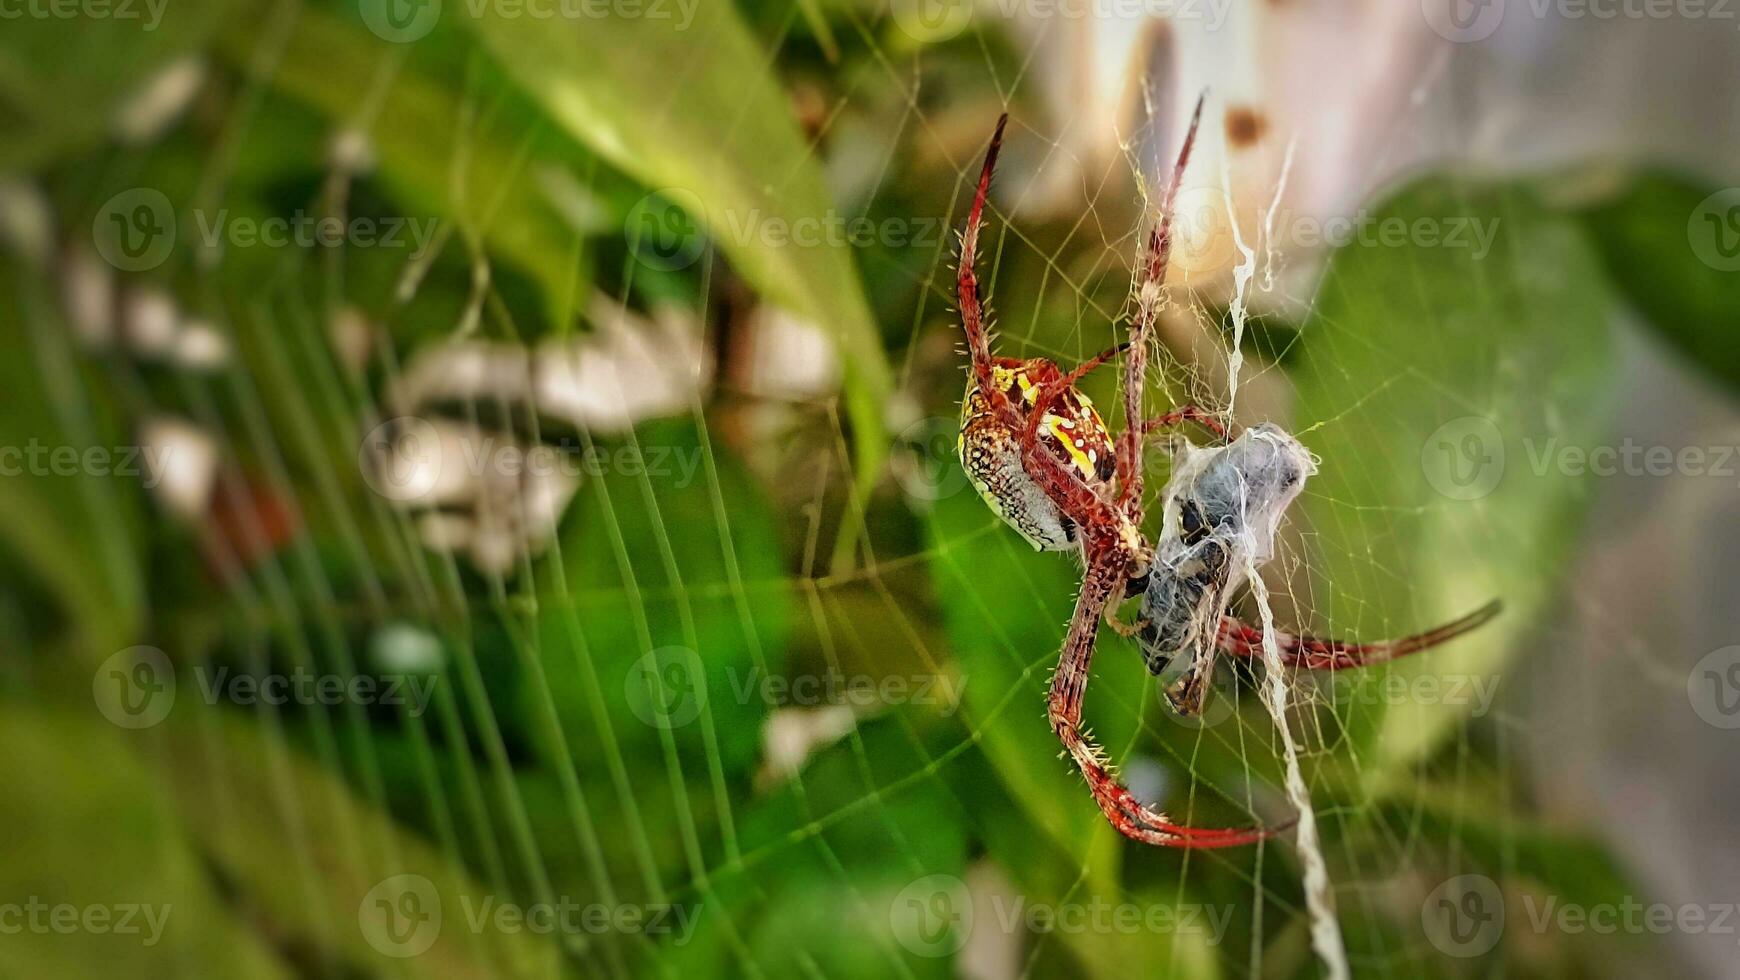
<point x="72" y="519"/>
<point x="1433" y="383"/>
<point x="1672" y="247"/>
<point x="90" y="828"/>
<point x="692" y="110"/>
<point x="452" y="161"/>
<point x="317" y="863"/>
<point x="62" y="80"/>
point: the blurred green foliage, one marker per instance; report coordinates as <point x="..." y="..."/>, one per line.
<point x="545" y="767"/>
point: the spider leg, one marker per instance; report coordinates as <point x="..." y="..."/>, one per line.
<point x="1125" y="629"/>
<point x="1186" y="413"/>
<point x="1129" y="815"/>
<point x="1148" y="294"/>
<point x="967" y="289"/>
<point x="1086" y="367"/>
<point x="1315" y="653"/>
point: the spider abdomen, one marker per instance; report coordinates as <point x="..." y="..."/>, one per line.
<point x="990" y="452"/>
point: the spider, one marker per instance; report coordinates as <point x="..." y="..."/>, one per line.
<point x="1041" y="456"/>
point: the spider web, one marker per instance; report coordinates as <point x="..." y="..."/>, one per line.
<point x="604" y="819"/>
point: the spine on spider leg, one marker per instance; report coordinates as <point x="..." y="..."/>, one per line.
<point x="972" y="313"/>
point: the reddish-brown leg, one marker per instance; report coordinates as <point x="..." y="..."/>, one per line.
<point x="1148" y="295"/>
<point x="1086" y="367"/>
<point x="1105" y="576"/>
<point x="1313" y="653"/>
<point x="967" y="289"/>
<point x="1187" y="413"/>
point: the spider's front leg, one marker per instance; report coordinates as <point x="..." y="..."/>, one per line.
<point x="1150" y="291"/>
<point x="967" y="291"/>
<point x="1108" y="569"/>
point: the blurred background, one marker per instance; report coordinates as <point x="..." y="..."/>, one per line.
<point x="478" y="491"/>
